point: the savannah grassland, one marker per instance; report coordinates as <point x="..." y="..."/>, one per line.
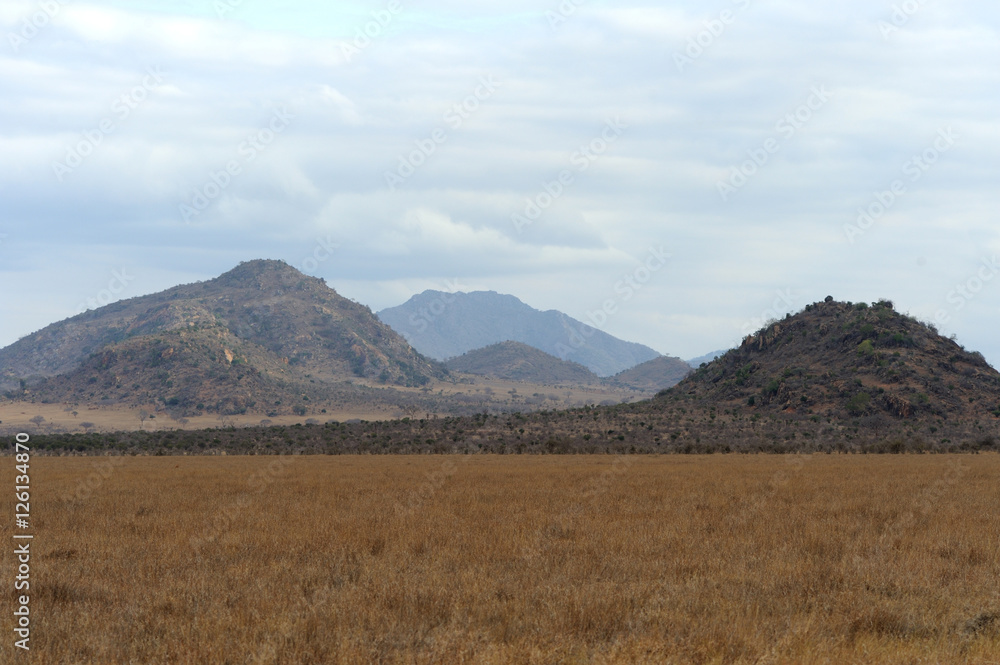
<point x="480" y="392"/>
<point x="509" y="559"/>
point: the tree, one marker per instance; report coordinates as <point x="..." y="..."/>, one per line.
<point x="87" y="426"/>
<point x="143" y="415"/>
<point x="38" y="420"/>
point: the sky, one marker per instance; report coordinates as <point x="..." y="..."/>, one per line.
<point x="674" y="173"/>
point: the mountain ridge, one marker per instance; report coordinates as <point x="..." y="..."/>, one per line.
<point x="445" y="325"/>
<point x="520" y="362"/>
<point x="294" y="331"/>
<point x="653" y="375"/>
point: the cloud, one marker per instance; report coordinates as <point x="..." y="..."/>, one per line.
<point x="355" y="119"/>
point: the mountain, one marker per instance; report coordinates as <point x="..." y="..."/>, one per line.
<point x="846" y="360"/>
<point x="259" y="334"/>
<point x="445" y="325"/>
<point x="519" y="362"/>
<point x="835" y="377"/>
<point x="707" y="358"/>
<point x="653" y="375"/>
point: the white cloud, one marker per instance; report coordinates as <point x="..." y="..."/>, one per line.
<point x="325" y="175"/>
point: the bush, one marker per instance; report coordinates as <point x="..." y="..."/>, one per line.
<point x="858" y="404"/>
<point x="899" y="339"/>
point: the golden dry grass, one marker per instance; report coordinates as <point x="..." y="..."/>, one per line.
<point x="715" y="559"/>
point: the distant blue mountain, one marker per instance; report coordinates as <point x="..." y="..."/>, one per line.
<point x="707" y="358"/>
<point x="445" y="325"/>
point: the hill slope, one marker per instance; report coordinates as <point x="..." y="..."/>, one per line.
<point x="519" y="362"/>
<point x="793" y="387"/>
<point x="849" y="360"/>
<point x="653" y="375"/>
<point x="259" y="332"/>
<point x="445" y="325"/>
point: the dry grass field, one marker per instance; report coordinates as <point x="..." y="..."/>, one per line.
<point x="477" y="559"/>
<point x="16" y="416"/>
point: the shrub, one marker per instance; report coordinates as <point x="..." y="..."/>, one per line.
<point x="858" y="404"/>
<point x="865" y="348"/>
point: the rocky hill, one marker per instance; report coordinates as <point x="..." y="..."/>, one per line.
<point x="653" y="375"/>
<point x="446" y="325"/>
<point x="836" y="377"/>
<point x="519" y="362"/>
<point x="262" y="333"/>
<point x="846" y="361"/>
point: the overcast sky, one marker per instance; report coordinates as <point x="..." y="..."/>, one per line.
<point x="671" y="171"/>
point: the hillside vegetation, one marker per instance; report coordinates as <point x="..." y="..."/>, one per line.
<point x="653" y="375"/>
<point x="834" y="377"/>
<point x="520" y="362"/>
<point x="262" y="336"/>
<point x="849" y="361"/>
